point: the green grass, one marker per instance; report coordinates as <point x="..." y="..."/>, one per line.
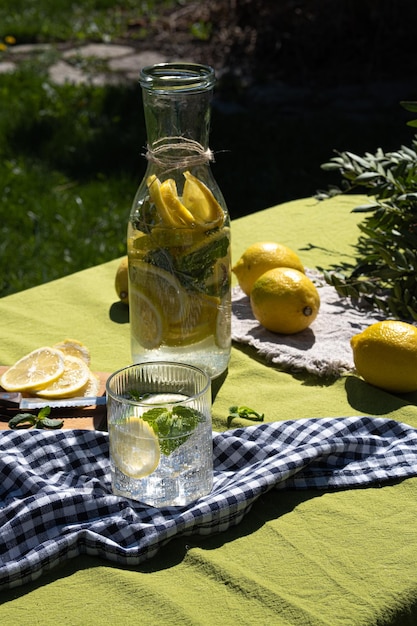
<point x="63" y="20"/>
<point x="70" y="157"/>
<point x="67" y="176"/>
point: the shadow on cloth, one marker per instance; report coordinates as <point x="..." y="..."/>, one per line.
<point x="270" y="505"/>
<point x="374" y="401"/>
<point x="119" y="313"/>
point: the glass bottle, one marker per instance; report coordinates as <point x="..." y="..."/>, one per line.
<point x="179" y="230"/>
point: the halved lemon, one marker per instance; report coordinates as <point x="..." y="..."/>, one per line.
<point x="74" y="377"/>
<point x="34" y="371"/>
<point x="74" y="347"/>
<point x="134" y="447"/>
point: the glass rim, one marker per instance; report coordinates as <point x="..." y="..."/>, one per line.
<point x="174" y="77"/>
<point x="146" y="364"/>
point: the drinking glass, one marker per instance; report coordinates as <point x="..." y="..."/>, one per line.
<point x="160" y="433"/>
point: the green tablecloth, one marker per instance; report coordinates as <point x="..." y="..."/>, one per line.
<point x="306" y="557"/>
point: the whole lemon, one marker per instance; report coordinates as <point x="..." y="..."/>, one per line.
<point x="385" y="355"/>
<point x="121" y="282"/>
<point x="285" y="300"/>
<point x="261" y="257"/>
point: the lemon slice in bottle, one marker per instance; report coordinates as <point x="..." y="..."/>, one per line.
<point x="173" y="204"/>
<point x="75" y="376"/>
<point x="160" y="287"/>
<point x="198" y="323"/>
<point x="159" y="193"/>
<point x="148" y="325"/>
<point x="34" y="371"/>
<point x="134" y="447"/>
<point x="200" y="201"/>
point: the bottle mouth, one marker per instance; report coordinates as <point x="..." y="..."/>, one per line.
<point x="169" y="77"/>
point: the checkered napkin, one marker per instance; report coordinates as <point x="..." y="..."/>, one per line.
<point x="56" y="500"/>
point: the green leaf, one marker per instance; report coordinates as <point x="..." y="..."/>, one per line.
<point x="244" y="412"/>
<point x="409" y="105"/>
<point x="173" y="427"/>
<point x="22" y="420"/>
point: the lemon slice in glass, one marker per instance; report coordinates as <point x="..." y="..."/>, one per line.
<point x="75" y="376"/>
<point x="134" y="447"/>
<point x="35" y="370"/>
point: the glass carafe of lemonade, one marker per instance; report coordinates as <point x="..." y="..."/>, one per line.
<point x="179" y="230"/>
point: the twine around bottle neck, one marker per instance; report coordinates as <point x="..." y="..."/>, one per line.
<point x="165" y="153"/>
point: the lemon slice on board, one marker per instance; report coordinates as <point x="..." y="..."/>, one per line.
<point x="134" y="447"/>
<point x="75" y="376"/>
<point x="92" y="387"/>
<point x="74" y="348"/>
<point x="34" y="371"/>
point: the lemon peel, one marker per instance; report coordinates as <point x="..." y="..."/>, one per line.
<point x="167" y="218"/>
<point x="198" y="207"/>
<point x="201" y="202"/>
<point x="173" y="204"/>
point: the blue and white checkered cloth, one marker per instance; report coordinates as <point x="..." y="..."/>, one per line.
<point x="56" y="499"/>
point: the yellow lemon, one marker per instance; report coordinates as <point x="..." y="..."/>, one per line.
<point x="74" y="378"/>
<point x="385" y="355"/>
<point x="121" y="282"/>
<point x="134" y="447"/>
<point x="284" y="300"/>
<point x="261" y="257"/>
<point x="34" y="371"/>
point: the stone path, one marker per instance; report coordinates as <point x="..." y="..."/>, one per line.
<point x="95" y="64"/>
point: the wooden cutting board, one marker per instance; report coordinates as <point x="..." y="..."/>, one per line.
<point x="88" y="418"/>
